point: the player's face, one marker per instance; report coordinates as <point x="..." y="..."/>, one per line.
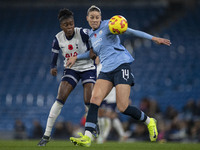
<point x="67" y="25"/>
<point x="94" y="19"/>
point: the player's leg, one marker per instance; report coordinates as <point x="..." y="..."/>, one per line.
<point x="88" y="80"/>
<point x="123" y="92"/>
<point x="63" y="92"/>
<point x="108" y="124"/>
<point x="100" y="91"/>
<point x="104" y="123"/>
<point x="65" y="88"/>
<point x="119" y="128"/>
<point x="87" y="90"/>
<point x="123" y="81"/>
<point x="101" y="123"/>
<point x="116" y="123"/>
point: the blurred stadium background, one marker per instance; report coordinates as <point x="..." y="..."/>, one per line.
<point x="167" y="78"/>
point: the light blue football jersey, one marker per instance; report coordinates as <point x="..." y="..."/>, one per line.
<point x="108" y="47"/>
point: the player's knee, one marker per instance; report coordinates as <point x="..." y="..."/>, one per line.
<point x="96" y="100"/>
<point x="52" y="115"/>
<point x="62" y="97"/>
<point x="121" y="107"/>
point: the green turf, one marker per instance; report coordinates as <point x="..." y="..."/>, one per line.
<point x="64" y="145"/>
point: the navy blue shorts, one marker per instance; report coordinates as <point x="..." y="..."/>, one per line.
<point x="121" y="75"/>
<point x="73" y="76"/>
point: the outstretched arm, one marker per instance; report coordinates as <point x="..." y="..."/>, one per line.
<point x="71" y="61"/>
<point x="142" y="34"/>
<point x="85" y="55"/>
<point x="138" y="33"/>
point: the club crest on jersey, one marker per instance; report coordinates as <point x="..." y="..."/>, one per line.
<point x="70" y="47"/>
<point x="100" y="32"/>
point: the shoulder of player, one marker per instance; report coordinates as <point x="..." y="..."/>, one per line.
<point x="61" y="33"/>
<point x="82" y="30"/>
<point x="104" y="26"/>
<point x="77" y="29"/>
<point x="104" y="22"/>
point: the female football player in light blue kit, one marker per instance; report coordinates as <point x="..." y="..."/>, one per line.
<point x="71" y="41"/>
<point x="116" y="71"/>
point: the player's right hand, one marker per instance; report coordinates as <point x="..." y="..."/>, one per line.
<point x="53" y="71"/>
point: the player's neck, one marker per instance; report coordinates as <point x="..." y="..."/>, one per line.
<point x="70" y="37"/>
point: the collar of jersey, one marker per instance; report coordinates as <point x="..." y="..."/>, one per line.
<point x="98" y="27"/>
<point x="70" y="37"/>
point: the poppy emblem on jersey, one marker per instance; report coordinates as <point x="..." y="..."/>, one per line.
<point x="70" y="47"/>
<point x="95" y="35"/>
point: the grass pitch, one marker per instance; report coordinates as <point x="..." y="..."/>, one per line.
<point x="66" y="145"/>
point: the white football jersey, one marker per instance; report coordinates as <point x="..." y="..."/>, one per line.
<point x="111" y="97"/>
<point x="74" y="47"/>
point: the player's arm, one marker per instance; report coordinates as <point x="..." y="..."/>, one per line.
<point x="71" y="61"/>
<point x="87" y="55"/>
<point x="55" y="52"/>
<point x="142" y="34"/>
<point x="85" y="38"/>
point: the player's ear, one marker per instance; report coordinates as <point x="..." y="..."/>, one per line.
<point x="61" y="26"/>
<point x="87" y="17"/>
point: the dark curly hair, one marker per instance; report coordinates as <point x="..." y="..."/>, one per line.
<point x="65" y="14"/>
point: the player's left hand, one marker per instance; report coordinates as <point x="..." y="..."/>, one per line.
<point x="70" y="62"/>
<point x="158" y="40"/>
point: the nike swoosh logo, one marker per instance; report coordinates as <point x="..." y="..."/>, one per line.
<point x="154" y="134"/>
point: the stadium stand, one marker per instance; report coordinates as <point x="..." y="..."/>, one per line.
<point x="170" y="75"/>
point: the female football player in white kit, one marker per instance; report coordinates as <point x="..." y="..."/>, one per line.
<point x="71" y="41"/>
<point x="115" y="72"/>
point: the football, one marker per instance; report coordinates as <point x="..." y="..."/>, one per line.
<point x="118" y="24"/>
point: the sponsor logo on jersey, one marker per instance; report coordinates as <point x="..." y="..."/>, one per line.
<point x="96" y="43"/>
<point x="86" y="31"/>
<point x="71" y="54"/>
